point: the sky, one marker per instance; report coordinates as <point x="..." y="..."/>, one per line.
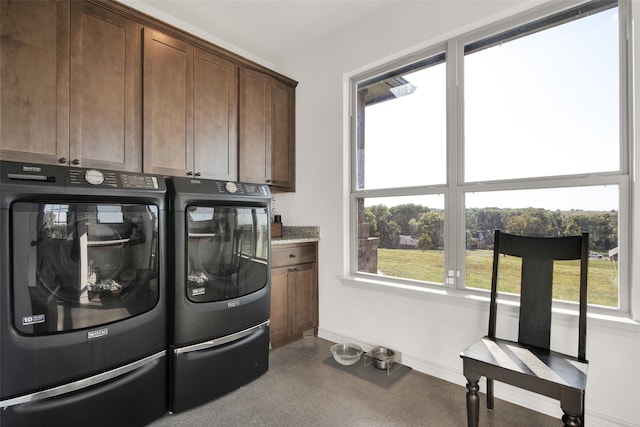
<point x="545" y="104"/>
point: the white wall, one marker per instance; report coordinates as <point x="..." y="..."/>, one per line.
<point x="429" y="329"/>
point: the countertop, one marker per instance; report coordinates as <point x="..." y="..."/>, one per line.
<point x="297" y="234"/>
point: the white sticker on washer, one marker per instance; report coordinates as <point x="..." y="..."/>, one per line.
<point x="33" y="319"/>
<point x="197" y="291"/>
<point x="98" y="333"/>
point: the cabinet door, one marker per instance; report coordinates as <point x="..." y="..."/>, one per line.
<point x="283" y="163"/>
<point x="254" y="127"/>
<point x="167" y="105"/>
<point x="105" y="89"/>
<point x="303" y="294"/>
<point x="34" y="77"/>
<point x="215" y="117"/>
<point x="279" y="330"/>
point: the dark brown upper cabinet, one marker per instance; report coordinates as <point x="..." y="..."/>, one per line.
<point x="34" y="76"/>
<point x="190" y="110"/>
<point x="167" y="106"/>
<point x="215" y="116"/>
<point x="70" y="81"/>
<point x="105" y="110"/>
<point x="98" y="84"/>
<point x="283" y="138"/>
<point x="266" y="130"/>
<point x="254" y="128"/>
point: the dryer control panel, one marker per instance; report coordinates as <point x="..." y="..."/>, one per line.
<point x="139" y="181"/>
<point x="113" y="179"/>
<point x="241" y="188"/>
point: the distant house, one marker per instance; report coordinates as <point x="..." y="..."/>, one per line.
<point x="405" y="242"/>
<point x="482" y="239"/>
<point x="613" y="254"/>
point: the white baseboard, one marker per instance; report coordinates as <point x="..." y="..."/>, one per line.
<point x="510" y="394"/>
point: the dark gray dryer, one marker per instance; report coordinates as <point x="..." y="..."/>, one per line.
<point x="82" y="296"/>
<point x="220" y="288"/>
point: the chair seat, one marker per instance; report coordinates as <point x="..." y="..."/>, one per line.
<point x="535" y="369"/>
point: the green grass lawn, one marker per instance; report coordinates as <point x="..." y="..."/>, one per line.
<point x="429" y="266"/>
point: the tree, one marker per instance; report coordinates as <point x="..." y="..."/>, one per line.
<point x="485" y="219"/>
<point x="403" y="214"/>
<point x="602" y="228"/>
<point x="382" y="225"/>
<point x="427" y="225"/>
<point x="414" y="227"/>
<point x="431" y="230"/>
<point x="370" y="218"/>
<point x="533" y="222"/>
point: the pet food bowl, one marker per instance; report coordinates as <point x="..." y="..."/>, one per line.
<point x="382" y="357"/>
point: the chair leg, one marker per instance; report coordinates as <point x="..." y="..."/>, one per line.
<point x="572" y="404"/>
<point x="490" y="394"/>
<point x="571" y="420"/>
<point x="473" y="403"/>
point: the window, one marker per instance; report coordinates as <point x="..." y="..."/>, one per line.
<point x="81" y="265"/>
<point x="403" y="237"/>
<point x="405" y="109"/>
<point x="519" y="127"/>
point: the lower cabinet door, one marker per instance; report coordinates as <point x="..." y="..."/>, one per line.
<point x="302" y="290"/>
<point x="280" y="330"/>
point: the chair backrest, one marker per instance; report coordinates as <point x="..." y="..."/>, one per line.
<point x="538" y="255"/>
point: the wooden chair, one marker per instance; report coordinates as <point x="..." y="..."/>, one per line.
<point x="529" y="363"/>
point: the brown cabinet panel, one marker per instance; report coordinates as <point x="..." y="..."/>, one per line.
<point x="304" y="290"/>
<point x="283" y="255"/>
<point x="167" y="104"/>
<point x="294" y="291"/>
<point x="254" y="127"/>
<point x="279" y="329"/>
<point x="283" y="164"/>
<point x="105" y="89"/>
<point x="215" y="117"/>
<point x="34" y="77"/>
<point x="190" y="110"/>
<point x="266" y="127"/>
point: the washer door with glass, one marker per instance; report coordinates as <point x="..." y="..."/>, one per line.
<point x="79" y="265"/>
<point x="227" y="252"/>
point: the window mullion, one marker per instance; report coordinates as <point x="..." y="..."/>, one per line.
<point x="454" y="218"/>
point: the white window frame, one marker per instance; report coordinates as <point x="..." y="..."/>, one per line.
<point x="455" y="188"/>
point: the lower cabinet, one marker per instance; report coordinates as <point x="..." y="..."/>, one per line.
<point x="294" y="292"/>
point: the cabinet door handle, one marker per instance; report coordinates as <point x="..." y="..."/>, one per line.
<point x="294" y="269"/>
<point x="62" y="160"/>
<point x="197" y="174"/>
<point x="190" y="173"/>
<point x="269" y="181"/>
<point x="292" y="256"/>
<point x="75" y="162"/>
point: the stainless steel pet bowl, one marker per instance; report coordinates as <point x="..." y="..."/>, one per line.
<point x="347" y="353"/>
<point x="382" y="357"/>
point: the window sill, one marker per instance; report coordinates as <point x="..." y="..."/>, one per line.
<point x="479" y="300"/>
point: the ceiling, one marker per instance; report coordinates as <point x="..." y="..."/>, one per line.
<point x="268" y="29"/>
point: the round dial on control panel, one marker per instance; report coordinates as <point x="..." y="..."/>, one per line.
<point x="94" y="177"/>
<point x="231" y="187"/>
